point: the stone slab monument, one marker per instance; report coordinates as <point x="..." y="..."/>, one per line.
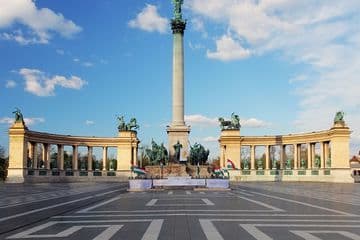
<point x="178" y="131"/>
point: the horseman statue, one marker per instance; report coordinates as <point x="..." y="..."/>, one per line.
<point x="233" y="124"/>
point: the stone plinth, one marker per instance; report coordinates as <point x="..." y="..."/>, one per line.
<point x="181" y="134"/>
<point x="204" y="173"/>
<point x="179" y="182"/>
<point x="140" y="184"/>
<point x="217" y="183"/>
<point x="171" y="170"/>
<point x="17" y="153"/>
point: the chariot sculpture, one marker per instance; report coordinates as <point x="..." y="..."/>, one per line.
<point x="131" y="126"/>
<point x="233" y="124"/>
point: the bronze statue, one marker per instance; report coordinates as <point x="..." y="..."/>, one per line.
<point x="177" y="9"/>
<point x="339" y="117"/>
<point x="157" y="154"/>
<point x="234" y="123"/>
<point x="18" y="116"/>
<point x="121" y="125"/>
<point x="177" y="148"/>
<point x="131" y="126"/>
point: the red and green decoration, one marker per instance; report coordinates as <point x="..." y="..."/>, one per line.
<point x="230" y="164"/>
<point x="220" y="172"/>
<point x="138" y="170"/>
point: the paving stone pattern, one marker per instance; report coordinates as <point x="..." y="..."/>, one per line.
<point x="261" y="211"/>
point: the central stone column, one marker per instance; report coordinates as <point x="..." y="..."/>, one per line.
<point x="178" y="131"/>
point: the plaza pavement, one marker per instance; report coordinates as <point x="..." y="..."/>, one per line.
<point x="102" y="211"/>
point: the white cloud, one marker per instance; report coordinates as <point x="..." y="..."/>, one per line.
<point x="89" y="122"/>
<point x="6" y="120"/>
<point x="28" y="121"/>
<point x="203" y="121"/>
<point x="60" y="51"/>
<point x="200" y="120"/>
<point x="88" y="64"/>
<point x="323" y="36"/>
<point x="196" y="46"/>
<point x="76" y="60"/>
<point x="41" y="23"/>
<point x="210" y="139"/>
<point x="253" y="123"/>
<point x="36" y="82"/>
<point x="10" y="84"/>
<point x="228" y="49"/>
<point x="149" y="20"/>
<point x="33" y="121"/>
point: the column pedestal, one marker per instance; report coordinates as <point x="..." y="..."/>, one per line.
<point x="181" y="134"/>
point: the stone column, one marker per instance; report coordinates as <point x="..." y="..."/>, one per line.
<point x="252" y="157"/>
<point x="313" y="155"/>
<point x="34" y="155"/>
<point x="90" y="153"/>
<point x="178" y="28"/>
<point x="296" y="159"/>
<point x="75" y="161"/>
<point x="178" y="131"/>
<point x="322" y="155"/>
<point x="31" y="148"/>
<point x="60" y="157"/>
<point x="299" y="154"/>
<point x="135" y="156"/>
<point x="326" y="153"/>
<point x="222" y="155"/>
<point x="267" y="157"/>
<point x="309" y="160"/>
<point x="282" y="156"/>
<point x="46" y="155"/>
<point x="104" y="158"/>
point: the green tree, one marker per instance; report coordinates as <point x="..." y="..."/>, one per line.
<point x="3" y="164"/>
<point x="198" y="154"/>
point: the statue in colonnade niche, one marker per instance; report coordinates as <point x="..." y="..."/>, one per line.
<point x="260" y="164"/>
<point x="317" y="162"/>
<point x="328" y="162"/>
<point x="288" y="164"/>
<point x="273" y="163"/>
<point x="246" y="164"/>
<point x="302" y="163"/>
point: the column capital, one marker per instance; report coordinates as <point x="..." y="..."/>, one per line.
<point x="178" y="26"/>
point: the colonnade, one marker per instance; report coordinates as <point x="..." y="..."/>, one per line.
<point x="315" y="150"/>
<point x="60" y="164"/>
<point x="24" y="156"/>
<point x="295" y="159"/>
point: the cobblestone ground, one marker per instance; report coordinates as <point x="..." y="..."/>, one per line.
<point x="310" y="211"/>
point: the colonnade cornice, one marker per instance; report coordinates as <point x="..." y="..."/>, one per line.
<point x="57" y="139"/>
<point x="290" y="139"/>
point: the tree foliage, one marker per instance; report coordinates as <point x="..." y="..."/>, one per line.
<point x="3" y="164"/>
<point x="198" y="154"/>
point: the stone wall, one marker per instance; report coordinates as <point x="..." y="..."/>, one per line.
<point x="173" y="170"/>
<point x="176" y="170"/>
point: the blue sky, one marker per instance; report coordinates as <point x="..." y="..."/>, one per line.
<point x="284" y="66"/>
